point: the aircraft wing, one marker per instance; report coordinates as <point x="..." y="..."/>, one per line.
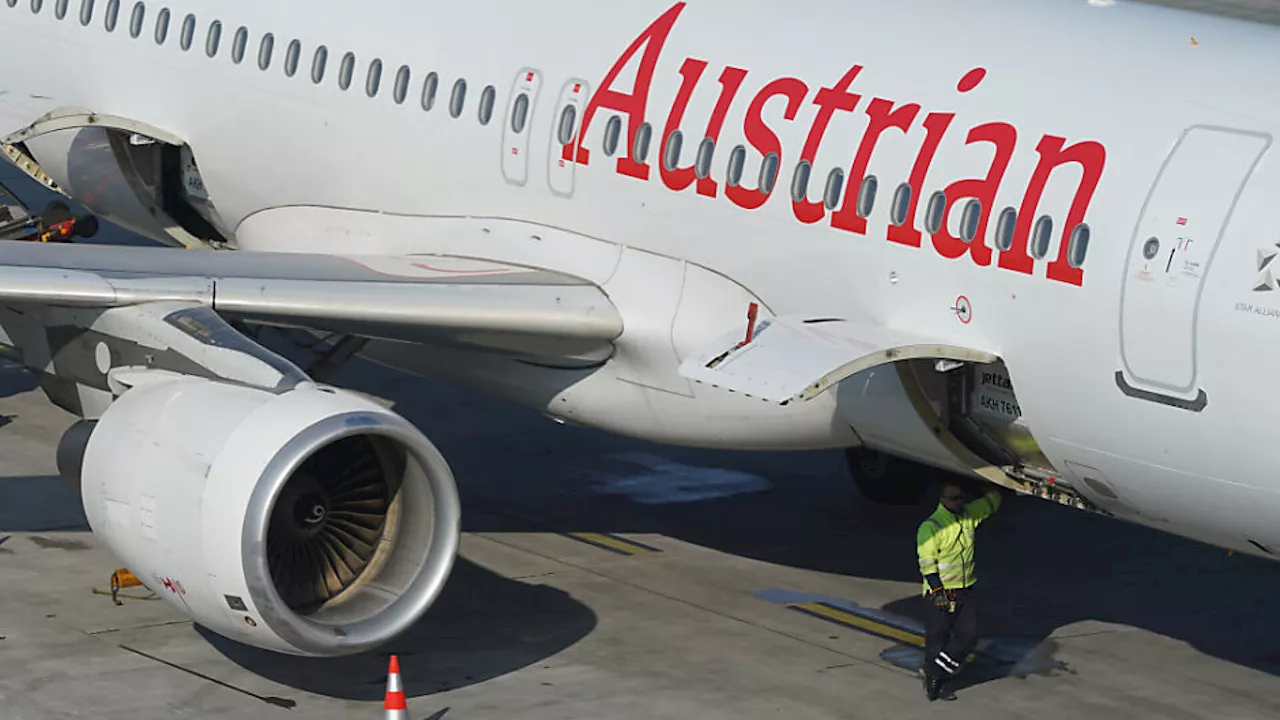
<point x="415" y="298"/>
<point x="798" y="358"/>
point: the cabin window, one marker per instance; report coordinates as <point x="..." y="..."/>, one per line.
<point x="901" y="205"/>
<point x="935" y="213"/>
<point x="702" y="163"/>
<point x="768" y="173"/>
<point x="265" y="49"/>
<point x="1078" y="246"/>
<point x="292" y="57"/>
<point x="800" y="182"/>
<point x="835" y="184"/>
<point x="459" y="98"/>
<point x="1041" y="236"/>
<point x="138" y="18"/>
<point x="403" y="77"/>
<point x="612" y="135"/>
<point x="1004" y="229"/>
<point x="188" y="32"/>
<point x="429" y="85"/>
<point x="671" y="150"/>
<point x="867" y="196"/>
<point x="1151" y="248"/>
<point x="239" y="44"/>
<point x="969" y="220"/>
<point x="112" y="15"/>
<point x="565" y="132"/>
<point x="373" y="78"/>
<point x="487" y="98"/>
<point x="86" y="12"/>
<point x="36" y="5"/>
<point x="11" y="3"/>
<point x="737" y="161"/>
<point x="318" y="63"/>
<point x="60" y="9"/>
<point x="640" y="148"/>
<point x="346" y="70"/>
<point x="162" y="26"/>
<point x="520" y="113"/>
<point x="213" y="39"/>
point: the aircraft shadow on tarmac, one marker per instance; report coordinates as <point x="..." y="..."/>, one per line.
<point x="1043" y="566"/>
<point x="482" y="626"/>
<point x="42" y="503"/>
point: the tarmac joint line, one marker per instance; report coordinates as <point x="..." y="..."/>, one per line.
<point x="268" y="699"/>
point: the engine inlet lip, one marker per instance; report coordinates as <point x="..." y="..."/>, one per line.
<point x="318" y="638"/>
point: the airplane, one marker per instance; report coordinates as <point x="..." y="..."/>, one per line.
<point x="1027" y="244"/>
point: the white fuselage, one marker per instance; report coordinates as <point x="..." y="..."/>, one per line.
<point x="292" y="165"/>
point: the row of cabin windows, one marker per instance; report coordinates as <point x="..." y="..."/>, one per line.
<point x="935" y="211"/>
<point x="292" y="60"/>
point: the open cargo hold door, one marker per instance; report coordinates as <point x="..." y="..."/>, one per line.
<point x="964" y="395"/>
<point x="792" y="358"/>
<point x="133" y="174"/>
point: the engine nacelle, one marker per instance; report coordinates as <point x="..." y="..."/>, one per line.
<point x="310" y="522"/>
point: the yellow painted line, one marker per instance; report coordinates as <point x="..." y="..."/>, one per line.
<point x="827" y="612"/>
<point x="848" y="619"/>
<point x="612" y="543"/>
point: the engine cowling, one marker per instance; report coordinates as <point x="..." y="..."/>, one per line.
<point x="310" y="522"/>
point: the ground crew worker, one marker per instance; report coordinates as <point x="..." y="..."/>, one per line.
<point x="945" y="546"/>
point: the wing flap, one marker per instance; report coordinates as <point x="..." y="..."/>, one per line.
<point x="434" y="298"/>
<point x="796" y="358"/>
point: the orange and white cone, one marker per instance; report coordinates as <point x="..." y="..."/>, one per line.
<point x="394" y="703"/>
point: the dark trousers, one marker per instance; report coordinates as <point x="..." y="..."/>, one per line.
<point x="950" y="636"/>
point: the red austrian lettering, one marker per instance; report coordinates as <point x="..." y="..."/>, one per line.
<point x="678" y="178"/>
<point x="1091" y="157"/>
<point x="730" y="81"/>
<point x="631" y="104"/>
<point x="1005" y="138"/>
<point x="935" y="125"/>
<point x="882" y="116"/>
<point x="828" y="100"/>
<point x="763" y="139"/>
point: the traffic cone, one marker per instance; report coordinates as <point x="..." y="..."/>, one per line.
<point x="394" y="703"/>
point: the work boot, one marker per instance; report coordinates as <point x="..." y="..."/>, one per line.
<point x="933" y="686"/>
<point x="938" y="690"/>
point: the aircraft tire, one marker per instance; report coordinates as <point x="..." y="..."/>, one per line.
<point x="885" y="479"/>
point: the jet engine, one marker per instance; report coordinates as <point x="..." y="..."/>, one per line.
<point x="309" y="521"/>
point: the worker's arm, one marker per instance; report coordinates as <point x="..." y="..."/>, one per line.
<point x="987" y="505"/>
<point x="927" y="552"/>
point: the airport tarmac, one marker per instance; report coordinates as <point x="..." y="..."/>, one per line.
<point x="602" y="577"/>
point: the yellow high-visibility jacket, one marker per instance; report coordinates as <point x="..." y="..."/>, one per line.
<point x="944" y="542"/>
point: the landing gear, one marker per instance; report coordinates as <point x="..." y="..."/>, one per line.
<point x="884" y="478"/>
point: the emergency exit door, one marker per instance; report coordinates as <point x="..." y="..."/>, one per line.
<point x="1182" y="223"/>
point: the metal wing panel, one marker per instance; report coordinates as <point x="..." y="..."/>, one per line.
<point x="423" y="298"/>
<point x="795" y="358"/>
